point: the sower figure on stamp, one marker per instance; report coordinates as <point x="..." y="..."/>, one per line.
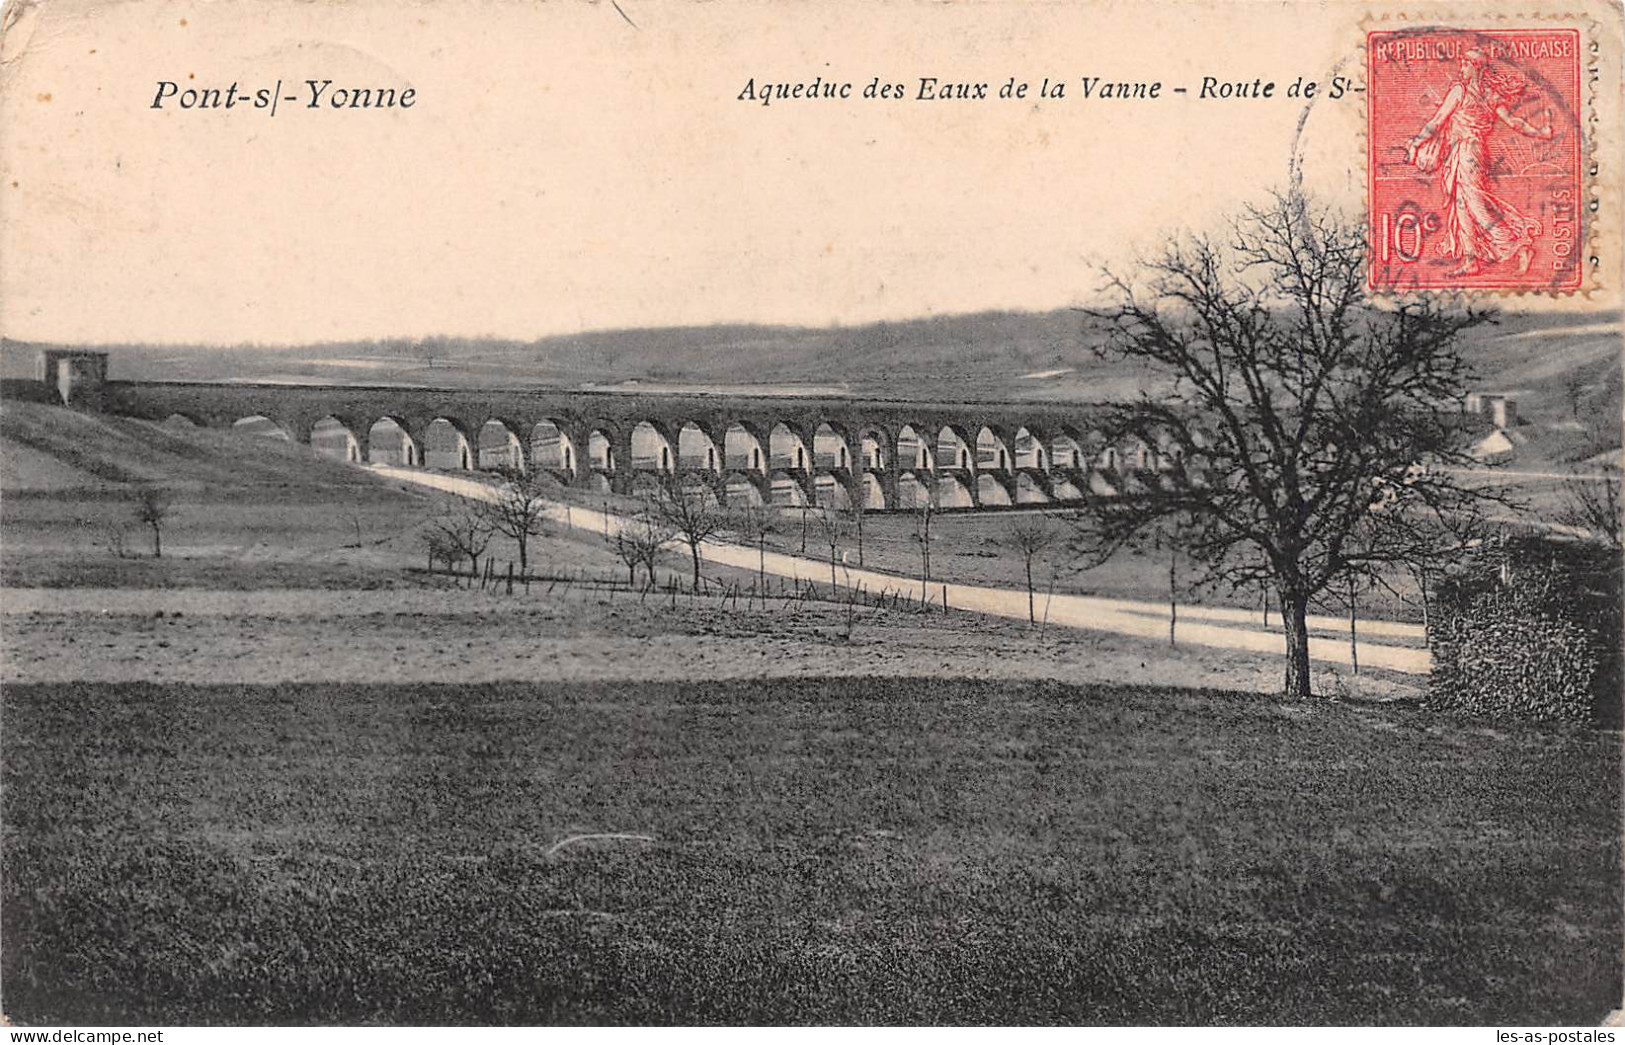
<point x="1480" y="227"/>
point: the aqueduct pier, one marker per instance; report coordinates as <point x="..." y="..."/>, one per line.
<point x="883" y="454"/>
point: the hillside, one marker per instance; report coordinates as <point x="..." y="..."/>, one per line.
<point x="1547" y="360"/>
<point x="45" y="448"/>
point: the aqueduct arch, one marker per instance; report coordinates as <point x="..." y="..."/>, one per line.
<point x="787" y="448"/>
<point x="551" y="447"/>
<point x="446" y="445"/>
<point x="500" y="446"/>
<point x="261" y="426"/>
<point x="389" y="441"/>
<point x="697" y="451"/>
<point x="331" y="437"/>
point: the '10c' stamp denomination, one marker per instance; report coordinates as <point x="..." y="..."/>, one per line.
<point x="1475" y="159"/>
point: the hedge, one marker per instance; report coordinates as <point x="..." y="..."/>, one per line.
<point x="1530" y="628"/>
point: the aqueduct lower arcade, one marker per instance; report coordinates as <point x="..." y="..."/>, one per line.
<point x="759" y="450"/>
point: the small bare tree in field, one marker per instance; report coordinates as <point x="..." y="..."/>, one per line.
<point x="691" y="510"/>
<point x="754" y="523"/>
<point x="117" y="540"/>
<point x="627" y="550"/>
<point x="519" y="509"/>
<point x="924" y="513"/>
<point x="855" y="515"/>
<point x="833" y="527"/>
<point x="441" y="551"/>
<point x="1031" y="537"/>
<point x="152" y="508"/>
<point x="638" y="542"/>
<point x="463" y="529"/>
<point x="1296" y="405"/>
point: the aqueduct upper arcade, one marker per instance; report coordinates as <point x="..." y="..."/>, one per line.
<point x="766" y="449"/>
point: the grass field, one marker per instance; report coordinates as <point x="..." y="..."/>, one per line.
<point x="247" y="512"/>
<point x="235" y="788"/>
<point x="817" y="851"/>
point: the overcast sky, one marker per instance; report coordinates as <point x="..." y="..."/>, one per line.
<point x="561" y="170"/>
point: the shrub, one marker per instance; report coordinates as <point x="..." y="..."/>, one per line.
<point x="1529" y="628"/>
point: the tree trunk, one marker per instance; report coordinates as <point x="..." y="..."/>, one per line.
<point x="1032" y="615"/>
<point x="761" y="560"/>
<point x="1294" y="614"/>
<point x="694" y="551"/>
<point x="157" y="542"/>
<point x="1354" y="638"/>
<point x="524" y="563"/>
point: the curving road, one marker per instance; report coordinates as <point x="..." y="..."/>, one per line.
<point x="1221" y="627"/>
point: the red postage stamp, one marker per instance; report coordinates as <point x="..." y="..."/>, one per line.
<point x="1475" y="159"/>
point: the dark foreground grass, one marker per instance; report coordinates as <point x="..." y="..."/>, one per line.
<point x="823" y="851"/>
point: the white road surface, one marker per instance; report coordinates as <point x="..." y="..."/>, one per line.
<point x="1216" y="626"/>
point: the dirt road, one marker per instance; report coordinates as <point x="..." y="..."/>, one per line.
<point x="1217" y="627"/>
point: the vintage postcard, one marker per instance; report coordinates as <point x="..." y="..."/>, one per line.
<point x="613" y="512"/>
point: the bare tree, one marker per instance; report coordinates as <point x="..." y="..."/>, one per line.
<point x="441" y="550"/>
<point x="1297" y="407"/>
<point x="1574" y="387"/>
<point x="152" y="507"/>
<point x="833" y="527"/>
<point x="1401" y="528"/>
<point x="859" y="508"/>
<point x="627" y="551"/>
<point x="1031" y="537"/>
<point x="638" y="542"/>
<point x="1168" y="537"/>
<point x="754" y="523"/>
<point x="466" y="529"/>
<point x="692" y="511"/>
<point x="116" y="536"/>
<point x="924" y="513"/>
<point x="518" y="510"/>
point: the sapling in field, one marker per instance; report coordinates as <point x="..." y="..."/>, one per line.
<point x="754" y="523"/>
<point x="152" y="507"/>
<point x="638" y="541"/>
<point x="924" y="512"/>
<point x="833" y="526"/>
<point x="518" y="510"/>
<point x="690" y="509"/>
<point x="1031" y="537"/>
<point x="462" y="531"/>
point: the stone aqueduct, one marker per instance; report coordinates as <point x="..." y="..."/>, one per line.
<point x="764" y="449"/>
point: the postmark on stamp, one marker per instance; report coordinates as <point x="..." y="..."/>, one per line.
<point x="1475" y="159"/>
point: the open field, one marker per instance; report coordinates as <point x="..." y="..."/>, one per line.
<point x="875" y="850"/>
<point x="575" y="633"/>
<point x="248" y="512"/>
<point x="285" y="775"/>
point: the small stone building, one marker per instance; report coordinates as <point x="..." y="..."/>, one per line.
<point x="78" y="376"/>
